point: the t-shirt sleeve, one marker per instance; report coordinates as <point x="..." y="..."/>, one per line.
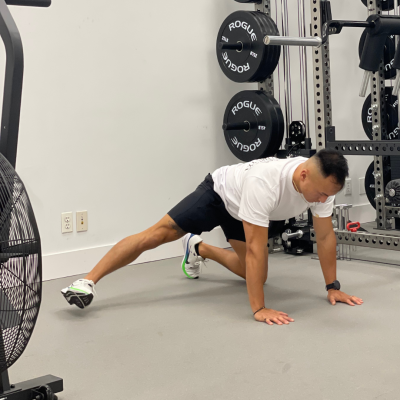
<point x="257" y="202"/>
<point x="323" y="210"/>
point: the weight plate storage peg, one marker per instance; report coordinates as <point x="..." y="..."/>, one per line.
<point x="387" y="5"/>
<point x="388" y="54"/>
<point x="392" y="116"/>
<point x="370" y="180"/>
<point x="242" y="54"/>
<point x="253" y="125"/>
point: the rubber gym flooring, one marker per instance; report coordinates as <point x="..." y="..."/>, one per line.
<point x="152" y="334"/>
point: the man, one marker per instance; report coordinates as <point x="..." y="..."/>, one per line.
<point x="245" y="200"/>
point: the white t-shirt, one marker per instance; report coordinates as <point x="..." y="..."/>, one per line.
<point x="262" y="190"/>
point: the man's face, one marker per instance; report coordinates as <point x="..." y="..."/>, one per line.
<point x="316" y="188"/>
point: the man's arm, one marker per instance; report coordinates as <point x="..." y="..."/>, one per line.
<point x="256" y="274"/>
<point x="326" y="242"/>
<point x="256" y="261"/>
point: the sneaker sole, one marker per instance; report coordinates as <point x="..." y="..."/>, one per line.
<point x="77" y="299"/>
<point x="184" y="261"/>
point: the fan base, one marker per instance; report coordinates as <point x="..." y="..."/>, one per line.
<point x="28" y="390"/>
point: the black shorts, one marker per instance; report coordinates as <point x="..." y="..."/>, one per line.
<point x="203" y="210"/>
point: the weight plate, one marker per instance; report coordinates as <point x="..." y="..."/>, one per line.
<point x="387" y="5"/>
<point x="274" y="54"/>
<point x="254" y="62"/>
<point x="278" y="134"/>
<point x="388" y="54"/>
<point x="370" y="180"/>
<point x="264" y="133"/>
<point x="392" y="104"/>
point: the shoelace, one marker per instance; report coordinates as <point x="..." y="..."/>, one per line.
<point x="91" y="285"/>
<point x="200" y="262"/>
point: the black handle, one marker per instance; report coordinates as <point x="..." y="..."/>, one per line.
<point x="372" y="53"/>
<point x="30" y="3"/>
<point x="237" y="126"/>
<point x="230" y="46"/>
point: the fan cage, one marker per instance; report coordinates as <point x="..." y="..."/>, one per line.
<point x="21" y="267"/>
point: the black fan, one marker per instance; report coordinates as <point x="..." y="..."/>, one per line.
<point x="21" y="267"/>
<point x="20" y="250"/>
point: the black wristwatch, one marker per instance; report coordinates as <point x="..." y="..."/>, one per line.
<point x="335" y="285"/>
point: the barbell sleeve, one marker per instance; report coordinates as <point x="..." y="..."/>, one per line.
<point x="292" y="41"/>
<point x="230" y="46"/>
<point x="396" y="86"/>
<point x="237" y="126"/>
<point x="288" y="235"/>
<point x="364" y="83"/>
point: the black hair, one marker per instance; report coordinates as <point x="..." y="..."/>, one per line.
<point x="332" y="163"/>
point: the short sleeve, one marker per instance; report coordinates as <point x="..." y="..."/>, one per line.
<point x="323" y="210"/>
<point x="257" y="202"/>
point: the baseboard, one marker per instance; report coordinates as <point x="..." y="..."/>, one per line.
<point x="80" y="262"/>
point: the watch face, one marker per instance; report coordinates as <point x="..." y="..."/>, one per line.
<point x="336" y="285"/>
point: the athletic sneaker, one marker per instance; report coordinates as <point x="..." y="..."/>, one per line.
<point x="80" y="293"/>
<point x="192" y="262"/>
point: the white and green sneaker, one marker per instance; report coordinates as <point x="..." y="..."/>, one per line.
<point x="192" y="262"/>
<point x="80" y="293"/>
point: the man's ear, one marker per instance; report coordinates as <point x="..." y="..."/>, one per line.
<point x="303" y="174"/>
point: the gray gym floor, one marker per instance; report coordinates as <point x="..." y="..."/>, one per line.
<point x="152" y="334"/>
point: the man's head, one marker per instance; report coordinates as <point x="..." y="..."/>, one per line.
<point x="323" y="175"/>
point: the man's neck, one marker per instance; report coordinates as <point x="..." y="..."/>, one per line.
<point x="296" y="178"/>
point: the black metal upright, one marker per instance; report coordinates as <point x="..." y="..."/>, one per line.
<point x="12" y="85"/>
<point x="13" y="77"/>
<point x="43" y="387"/>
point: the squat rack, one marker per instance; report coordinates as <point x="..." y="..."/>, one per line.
<point x="324" y="129"/>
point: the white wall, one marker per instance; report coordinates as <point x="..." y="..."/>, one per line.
<point x="121" y="115"/>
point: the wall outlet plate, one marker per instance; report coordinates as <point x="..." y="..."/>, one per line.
<point x="81" y="221"/>
<point x="67" y="223"/>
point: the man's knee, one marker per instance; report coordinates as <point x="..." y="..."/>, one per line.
<point x="165" y="231"/>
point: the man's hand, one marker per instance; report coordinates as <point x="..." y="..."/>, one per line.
<point x="337" y="295"/>
<point x="271" y="316"/>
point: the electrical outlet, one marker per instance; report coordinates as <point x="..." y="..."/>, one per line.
<point x="347" y="187"/>
<point x="362" y="185"/>
<point x="81" y="221"/>
<point x="67" y="224"/>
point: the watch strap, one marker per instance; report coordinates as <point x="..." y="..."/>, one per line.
<point x="335" y="285"/>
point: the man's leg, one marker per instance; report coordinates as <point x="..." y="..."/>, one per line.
<point x="235" y="260"/>
<point x="227" y="258"/>
<point x="130" y="248"/>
